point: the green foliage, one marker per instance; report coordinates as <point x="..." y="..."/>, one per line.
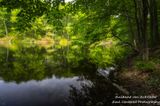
<point x="88" y="24"/>
<point x="154" y="79"/>
<point x="45" y="37"/>
<point x="29" y="62"/>
<point x="145" y="65"/>
<point x="107" y="52"/>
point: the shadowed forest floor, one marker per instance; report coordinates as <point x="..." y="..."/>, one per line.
<point x="140" y="81"/>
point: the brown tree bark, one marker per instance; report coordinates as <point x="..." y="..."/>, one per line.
<point x="141" y="13"/>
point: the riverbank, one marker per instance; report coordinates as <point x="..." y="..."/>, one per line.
<point x="45" y="41"/>
<point x="142" y="77"/>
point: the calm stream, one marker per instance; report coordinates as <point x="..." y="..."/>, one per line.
<point x="36" y="76"/>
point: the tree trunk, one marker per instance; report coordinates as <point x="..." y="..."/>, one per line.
<point x="138" y="34"/>
<point x="155" y="39"/>
<point x="141" y="13"/>
<point x="144" y="30"/>
<point x="5" y="26"/>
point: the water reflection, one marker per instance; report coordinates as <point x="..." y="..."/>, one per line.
<point x="100" y="92"/>
<point x="26" y="64"/>
<point x="36" y="76"/>
<point x="48" y="92"/>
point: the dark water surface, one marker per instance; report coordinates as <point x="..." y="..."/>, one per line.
<point x="48" y="92"/>
<point x="36" y="76"/>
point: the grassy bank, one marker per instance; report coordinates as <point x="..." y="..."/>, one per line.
<point x="142" y="77"/>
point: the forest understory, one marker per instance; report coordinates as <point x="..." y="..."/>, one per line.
<point x="141" y="77"/>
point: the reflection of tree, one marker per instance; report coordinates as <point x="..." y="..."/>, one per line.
<point x="98" y="93"/>
<point x="36" y="63"/>
<point x="29" y="63"/>
<point x="23" y="65"/>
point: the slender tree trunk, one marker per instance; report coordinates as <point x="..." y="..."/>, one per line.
<point x="7" y="55"/>
<point x="144" y="30"/>
<point x="138" y="34"/>
<point x="6" y="31"/>
<point x="5" y="26"/>
<point x="155" y="39"/>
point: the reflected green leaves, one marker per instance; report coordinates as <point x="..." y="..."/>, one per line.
<point x="31" y="63"/>
<point x="30" y="59"/>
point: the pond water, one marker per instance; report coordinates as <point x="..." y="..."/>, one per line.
<point x="38" y="76"/>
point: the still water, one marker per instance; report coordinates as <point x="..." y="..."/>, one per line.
<point x="53" y="76"/>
